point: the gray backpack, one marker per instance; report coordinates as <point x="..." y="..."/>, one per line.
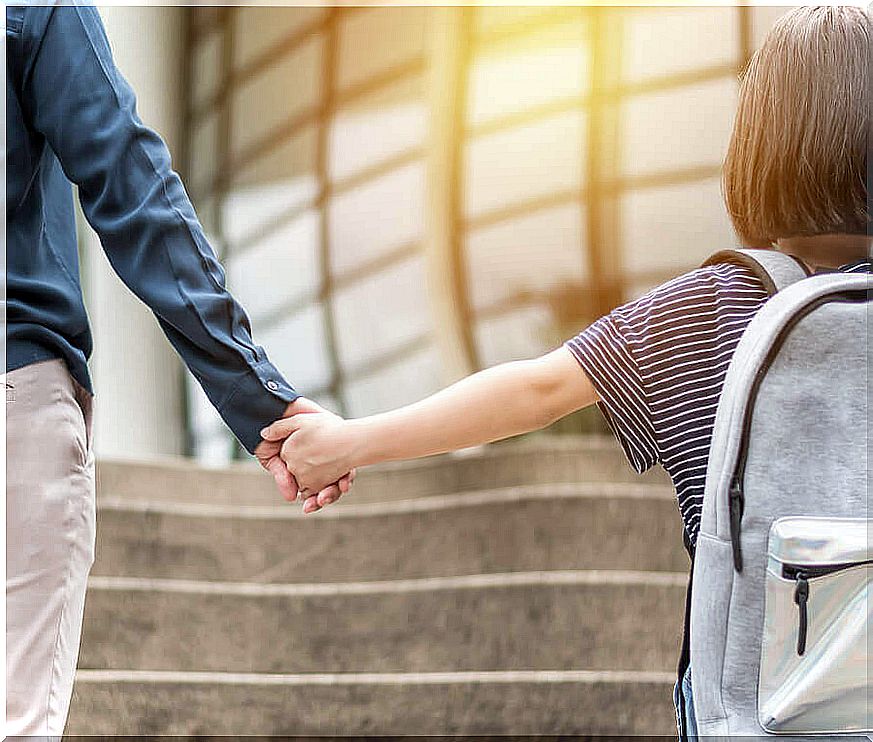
<point x="780" y="607"/>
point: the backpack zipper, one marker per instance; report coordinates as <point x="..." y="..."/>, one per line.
<point x="736" y="504"/>
<point x="736" y="497"/>
<point x="801" y="598"/>
<point x="802" y="574"/>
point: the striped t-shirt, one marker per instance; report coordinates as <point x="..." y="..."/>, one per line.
<point x="659" y="364"/>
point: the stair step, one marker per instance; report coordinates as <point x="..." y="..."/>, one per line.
<point x="536" y="620"/>
<point x="517" y="703"/>
<point x="540" y="461"/>
<point x="543" y="527"/>
<point x="455" y="595"/>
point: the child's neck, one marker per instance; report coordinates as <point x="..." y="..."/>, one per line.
<point x="827" y="250"/>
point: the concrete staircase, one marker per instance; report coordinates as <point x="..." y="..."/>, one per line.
<point x="529" y="588"/>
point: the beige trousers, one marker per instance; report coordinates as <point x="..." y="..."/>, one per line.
<point x="50" y="529"/>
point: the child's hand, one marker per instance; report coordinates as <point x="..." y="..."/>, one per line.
<point x="318" y="449"/>
<point x="268" y="454"/>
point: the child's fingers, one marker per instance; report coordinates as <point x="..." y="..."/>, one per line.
<point x="346" y="482"/>
<point x="329" y="495"/>
<point x="310" y="505"/>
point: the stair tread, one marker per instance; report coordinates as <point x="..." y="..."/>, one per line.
<point x="516" y="703"/>
<point x="349" y="509"/>
<point x="544" y="460"/>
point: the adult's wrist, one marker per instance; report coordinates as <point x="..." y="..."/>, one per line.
<point x="259" y="397"/>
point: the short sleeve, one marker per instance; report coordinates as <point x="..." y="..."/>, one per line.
<point x="663" y="350"/>
<point x="606" y="357"/>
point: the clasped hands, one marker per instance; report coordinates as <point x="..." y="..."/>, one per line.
<point x="306" y="452"/>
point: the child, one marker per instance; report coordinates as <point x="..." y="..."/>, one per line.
<point x="794" y="179"/>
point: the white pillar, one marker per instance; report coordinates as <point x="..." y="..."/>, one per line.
<point x="443" y="182"/>
<point x="137" y="376"/>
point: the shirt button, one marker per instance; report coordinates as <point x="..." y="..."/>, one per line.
<point x="272" y="386"/>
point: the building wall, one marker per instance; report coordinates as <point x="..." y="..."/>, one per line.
<point x="403" y="195"/>
<point x="139" y="409"/>
<point x="406" y="194"/>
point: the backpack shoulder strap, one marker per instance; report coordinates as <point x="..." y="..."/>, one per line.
<point x="775" y="269"/>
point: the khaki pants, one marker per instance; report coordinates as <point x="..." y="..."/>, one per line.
<point x="50" y="529"/>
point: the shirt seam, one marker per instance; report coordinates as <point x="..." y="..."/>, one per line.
<point x="635" y="453"/>
<point x="94" y="49"/>
<point x="646" y="398"/>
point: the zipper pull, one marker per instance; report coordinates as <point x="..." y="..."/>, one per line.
<point x="801" y="596"/>
<point x="735" y="502"/>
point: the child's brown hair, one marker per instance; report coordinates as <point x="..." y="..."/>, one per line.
<point x="797" y="161"/>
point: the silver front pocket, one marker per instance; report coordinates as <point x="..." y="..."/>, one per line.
<point x="813" y="674"/>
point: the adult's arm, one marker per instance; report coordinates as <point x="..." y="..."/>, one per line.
<point x="78" y="100"/>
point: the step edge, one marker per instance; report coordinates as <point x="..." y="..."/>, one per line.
<point x="410" y="585"/>
<point x="540" y="677"/>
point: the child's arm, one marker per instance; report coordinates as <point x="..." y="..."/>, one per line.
<point x="497" y="403"/>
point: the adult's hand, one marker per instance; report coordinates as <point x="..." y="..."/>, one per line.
<point x="268" y="455"/>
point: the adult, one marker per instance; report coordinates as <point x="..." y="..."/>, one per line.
<point x="71" y="117"/>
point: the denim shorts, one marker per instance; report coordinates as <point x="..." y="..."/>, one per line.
<point x="687" y="718"/>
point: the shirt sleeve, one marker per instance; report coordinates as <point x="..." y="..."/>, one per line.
<point x="644" y="355"/>
<point x="607" y="359"/>
<point x="79" y="101"/>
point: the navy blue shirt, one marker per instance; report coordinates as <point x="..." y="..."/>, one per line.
<point x="71" y="116"/>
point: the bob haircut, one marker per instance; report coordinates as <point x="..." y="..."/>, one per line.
<point x="796" y="165"/>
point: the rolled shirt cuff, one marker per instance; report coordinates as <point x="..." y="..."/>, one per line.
<point x="258" y="398"/>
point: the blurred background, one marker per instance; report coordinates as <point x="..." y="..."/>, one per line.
<point x="400" y="196"/>
<point x="403" y="195"/>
